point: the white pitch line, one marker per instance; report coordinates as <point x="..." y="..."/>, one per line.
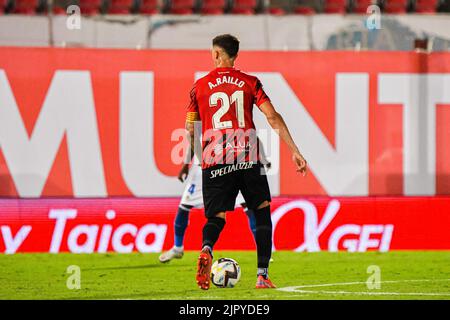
<point x="361" y="293"/>
<point x="299" y="289"/>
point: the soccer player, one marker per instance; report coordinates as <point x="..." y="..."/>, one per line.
<point x="223" y="101"/>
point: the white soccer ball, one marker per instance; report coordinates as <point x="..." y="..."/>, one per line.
<point x="225" y="273"/>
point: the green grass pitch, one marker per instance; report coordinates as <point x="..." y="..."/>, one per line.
<point x="321" y="275"/>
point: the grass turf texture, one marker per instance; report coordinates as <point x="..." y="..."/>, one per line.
<point x="142" y="276"/>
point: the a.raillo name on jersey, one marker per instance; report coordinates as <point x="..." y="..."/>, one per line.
<point x="226" y="80"/>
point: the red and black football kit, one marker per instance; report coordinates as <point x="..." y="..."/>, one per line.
<point x="223" y="101"/>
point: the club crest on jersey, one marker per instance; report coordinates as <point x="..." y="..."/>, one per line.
<point x="226" y="80"/>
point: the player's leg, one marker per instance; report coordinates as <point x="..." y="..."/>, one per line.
<point x="263" y="244"/>
<point x="255" y="189"/>
<point x="219" y="195"/>
<point x="249" y="212"/>
<point x="211" y="232"/>
<point x="180" y="226"/>
<point x="251" y="219"/>
<point x="192" y="198"/>
<point x="212" y="229"/>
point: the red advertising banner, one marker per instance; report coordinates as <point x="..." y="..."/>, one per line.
<point x="300" y="224"/>
<point x="99" y="123"/>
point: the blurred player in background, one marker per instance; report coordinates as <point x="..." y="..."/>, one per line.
<point x="223" y="101"/>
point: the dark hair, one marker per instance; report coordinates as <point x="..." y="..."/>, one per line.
<point x="228" y="43"/>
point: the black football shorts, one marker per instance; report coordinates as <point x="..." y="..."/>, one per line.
<point x="221" y="185"/>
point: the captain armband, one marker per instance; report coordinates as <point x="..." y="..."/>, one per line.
<point x="192" y="117"/>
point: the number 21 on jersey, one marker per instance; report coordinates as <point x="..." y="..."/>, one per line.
<point x="238" y="98"/>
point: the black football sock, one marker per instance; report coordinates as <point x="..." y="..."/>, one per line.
<point x="263" y="239"/>
<point x="211" y="231"/>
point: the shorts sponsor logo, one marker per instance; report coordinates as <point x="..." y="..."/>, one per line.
<point x="231" y="168"/>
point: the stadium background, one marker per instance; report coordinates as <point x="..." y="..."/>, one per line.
<point x="87" y="115"/>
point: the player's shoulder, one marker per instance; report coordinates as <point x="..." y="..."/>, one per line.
<point x="203" y="81"/>
<point x="206" y="77"/>
<point x="247" y="76"/>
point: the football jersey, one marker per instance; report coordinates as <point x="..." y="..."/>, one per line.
<point x="223" y="101"/>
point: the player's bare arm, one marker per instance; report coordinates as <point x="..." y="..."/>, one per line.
<point x="184" y="171"/>
<point x="276" y="121"/>
<point x="191" y="119"/>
